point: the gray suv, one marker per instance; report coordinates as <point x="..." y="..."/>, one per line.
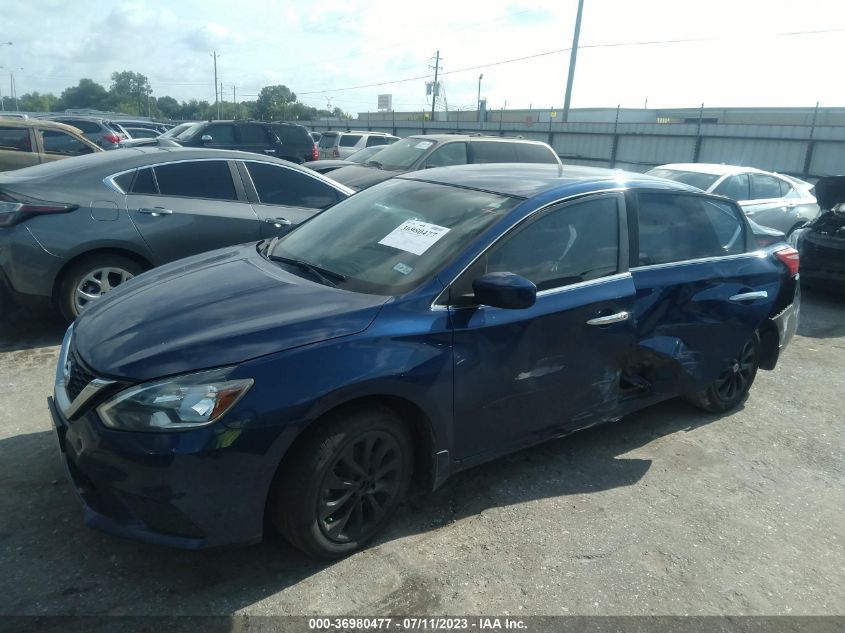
<point x="442" y="150"/>
<point x="107" y="134"/>
<point x="72" y="230"/>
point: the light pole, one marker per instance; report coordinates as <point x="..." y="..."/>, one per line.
<point x="573" y="55"/>
<point x="2" y="105"/>
<point x="478" y="101"/>
<point x="13" y="92"/>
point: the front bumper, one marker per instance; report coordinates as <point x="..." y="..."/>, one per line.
<point x="190" y="490"/>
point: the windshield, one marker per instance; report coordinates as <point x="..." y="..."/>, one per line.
<point x="363" y="155"/>
<point x="693" y="178"/>
<point x="402" y="154"/>
<point x="188" y="132"/>
<point x="390" y="238"/>
<point x="176" y="131"/>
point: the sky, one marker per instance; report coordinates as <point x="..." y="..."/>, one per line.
<point x="746" y="53"/>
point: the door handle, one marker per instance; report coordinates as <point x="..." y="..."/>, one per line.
<point x="269" y="151"/>
<point x="278" y="221"/>
<point x="156" y="211"/>
<point x="750" y="296"/>
<point x="610" y="318"/>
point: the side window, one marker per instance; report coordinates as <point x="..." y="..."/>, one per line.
<point x="196" y="179"/>
<point x="678" y="227"/>
<point x="376" y="140"/>
<point x="535" y="153"/>
<point x="349" y="140"/>
<point x="252" y="134"/>
<point x="145" y="182"/>
<point x="734" y="187"/>
<point x="764" y="187"/>
<point x="15" y="139"/>
<point x="575" y="243"/>
<point x="448" y="154"/>
<point x="728" y="226"/>
<point x="124" y="181"/>
<point x="493" y="152"/>
<point x="87" y="127"/>
<point x="220" y="134"/>
<point x="62" y="143"/>
<point x="279" y="185"/>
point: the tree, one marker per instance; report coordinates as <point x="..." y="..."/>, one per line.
<point x="273" y="102"/>
<point x="86" y="94"/>
<point x="37" y="102"/>
<point x="130" y="92"/>
<point x="167" y="106"/>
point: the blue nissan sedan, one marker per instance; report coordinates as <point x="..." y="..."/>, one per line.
<point x="425" y="325"/>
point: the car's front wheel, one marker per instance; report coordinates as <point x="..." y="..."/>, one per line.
<point x="90" y="278"/>
<point x="732" y="385"/>
<point x="343" y="482"/>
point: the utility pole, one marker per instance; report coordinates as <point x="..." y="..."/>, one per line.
<point x="434" y="89"/>
<point x="216" y="103"/>
<point x="573" y="54"/>
<point x="478" y="101"/>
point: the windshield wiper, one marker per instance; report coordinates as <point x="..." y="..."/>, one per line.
<point x="323" y="274"/>
<point x="374" y="163"/>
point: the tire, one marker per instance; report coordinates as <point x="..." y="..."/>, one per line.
<point x="328" y="498"/>
<point x="731" y="387"/>
<point x="94" y="275"/>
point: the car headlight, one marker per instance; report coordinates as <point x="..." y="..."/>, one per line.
<point x="175" y="404"/>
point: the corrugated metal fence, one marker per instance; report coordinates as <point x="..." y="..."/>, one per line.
<point x="801" y="150"/>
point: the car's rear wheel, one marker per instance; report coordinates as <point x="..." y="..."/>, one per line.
<point x="343" y="482"/>
<point x="90" y="278"/>
<point x="732" y="385"/>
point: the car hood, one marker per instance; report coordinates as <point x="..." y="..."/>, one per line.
<point x="210" y="310"/>
<point x="360" y="177"/>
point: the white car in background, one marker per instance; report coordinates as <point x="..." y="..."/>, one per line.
<point x="774" y="200"/>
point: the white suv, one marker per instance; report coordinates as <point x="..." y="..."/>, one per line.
<point x="343" y="144"/>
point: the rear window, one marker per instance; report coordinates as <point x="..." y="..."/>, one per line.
<point x="692" y="178"/>
<point x="349" y="140"/>
<point x="327" y="140"/>
<point x="15" y="138"/>
<point x="376" y="140"/>
<point x="124" y="181"/>
<point x="535" y="153"/>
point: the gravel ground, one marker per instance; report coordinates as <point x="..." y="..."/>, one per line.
<point x="669" y="511"/>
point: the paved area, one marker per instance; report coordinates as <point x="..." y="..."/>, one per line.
<point x="669" y="511"/>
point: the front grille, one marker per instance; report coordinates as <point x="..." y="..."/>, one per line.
<point x="79" y="376"/>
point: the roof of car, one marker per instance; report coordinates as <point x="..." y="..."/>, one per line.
<point x="526" y="180"/>
<point x="124" y="159"/>
<point x="41" y="124"/>
<point x="717" y="169"/>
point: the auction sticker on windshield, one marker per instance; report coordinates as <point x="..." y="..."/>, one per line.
<point x="413" y="236"/>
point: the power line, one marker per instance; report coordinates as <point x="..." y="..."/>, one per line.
<point x="557" y="52"/>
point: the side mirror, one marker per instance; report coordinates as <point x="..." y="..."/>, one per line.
<point x="505" y="290"/>
<point x="206" y="138"/>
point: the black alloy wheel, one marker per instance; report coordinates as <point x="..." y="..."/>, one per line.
<point x="342" y="481"/>
<point x="363" y="481"/>
<point x="732" y="385"/>
<point x="737" y="376"/>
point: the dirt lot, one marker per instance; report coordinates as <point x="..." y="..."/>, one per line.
<point x="669" y="511"/>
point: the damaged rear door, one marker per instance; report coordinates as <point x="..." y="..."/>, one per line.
<point x="701" y="289"/>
